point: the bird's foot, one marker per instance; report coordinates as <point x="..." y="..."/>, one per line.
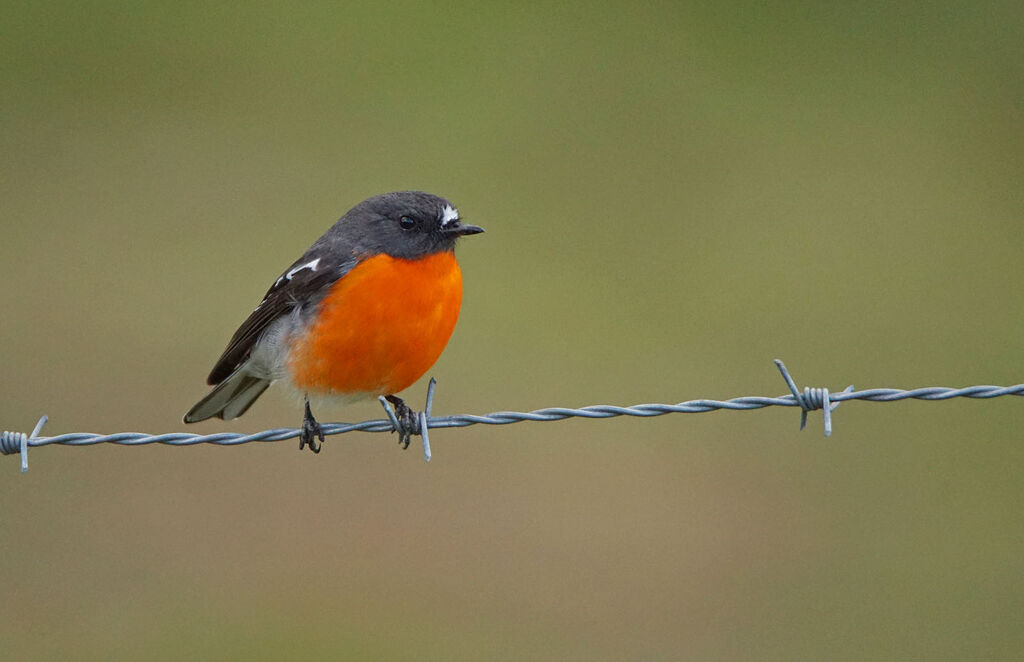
<point x="311" y="431"/>
<point x="408" y="420"/>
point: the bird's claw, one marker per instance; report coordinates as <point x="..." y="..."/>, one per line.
<point x="311" y="431"/>
<point x="408" y="420"/>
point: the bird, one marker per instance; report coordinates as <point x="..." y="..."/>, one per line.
<point x="363" y="313"/>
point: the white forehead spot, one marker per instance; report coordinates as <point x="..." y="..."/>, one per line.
<point x="449" y="214"/>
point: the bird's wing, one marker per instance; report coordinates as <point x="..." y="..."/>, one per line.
<point x="302" y="285"/>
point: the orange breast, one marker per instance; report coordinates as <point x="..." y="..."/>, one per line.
<point x="380" y="327"/>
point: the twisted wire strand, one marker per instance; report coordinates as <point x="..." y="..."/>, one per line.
<point x="539" y="415"/>
<point x="809" y="400"/>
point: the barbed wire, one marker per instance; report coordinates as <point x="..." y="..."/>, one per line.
<point x="810" y="399"/>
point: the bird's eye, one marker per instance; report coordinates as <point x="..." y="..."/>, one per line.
<point x="407" y="223"/>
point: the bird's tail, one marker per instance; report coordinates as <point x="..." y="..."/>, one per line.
<point x="230" y="399"/>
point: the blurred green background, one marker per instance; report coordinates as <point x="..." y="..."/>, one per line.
<point x="674" y="194"/>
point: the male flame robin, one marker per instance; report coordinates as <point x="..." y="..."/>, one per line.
<point x="364" y="312"/>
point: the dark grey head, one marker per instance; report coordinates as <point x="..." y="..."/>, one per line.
<point x="406" y="224"/>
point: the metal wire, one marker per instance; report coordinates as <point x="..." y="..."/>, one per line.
<point x="18" y="442"/>
<point x="810" y="399"/>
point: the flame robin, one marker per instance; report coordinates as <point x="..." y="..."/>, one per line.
<point x="364" y="312"/>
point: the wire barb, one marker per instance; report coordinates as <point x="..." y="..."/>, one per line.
<point x="811" y="399"/>
<point x="10" y="442"/>
<point x="420" y="424"/>
<point x="425" y="416"/>
<point x="18" y="442"/>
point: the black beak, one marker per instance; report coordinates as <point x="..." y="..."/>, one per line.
<point x="460" y="229"/>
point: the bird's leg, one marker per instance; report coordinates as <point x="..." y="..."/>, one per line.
<point x="408" y="420"/>
<point x="310" y="431"/>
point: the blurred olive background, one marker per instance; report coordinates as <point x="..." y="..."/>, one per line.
<point x="674" y="194"/>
